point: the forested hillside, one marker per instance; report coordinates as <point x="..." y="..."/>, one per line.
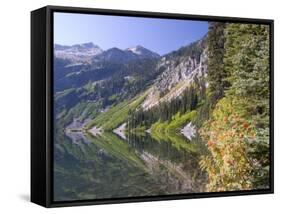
<point x="237" y="133"/>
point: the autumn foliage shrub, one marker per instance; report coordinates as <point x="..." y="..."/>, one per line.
<point x="229" y="138"/>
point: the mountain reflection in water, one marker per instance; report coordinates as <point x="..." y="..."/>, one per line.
<point x="108" y="166"/>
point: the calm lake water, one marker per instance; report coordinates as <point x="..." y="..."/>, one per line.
<point x="107" y="166"/>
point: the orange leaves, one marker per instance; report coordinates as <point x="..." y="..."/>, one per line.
<point x="210" y="143"/>
<point x="246" y="125"/>
<point x="227" y="134"/>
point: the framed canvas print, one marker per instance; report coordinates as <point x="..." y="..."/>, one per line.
<point x="138" y="106"/>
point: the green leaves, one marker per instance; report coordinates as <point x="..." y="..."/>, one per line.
<point x="237" y="134"/>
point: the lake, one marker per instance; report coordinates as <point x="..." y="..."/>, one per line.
<point x="108" y="166"/>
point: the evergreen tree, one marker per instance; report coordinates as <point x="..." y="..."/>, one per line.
<point x="216" y="73"/>
<point x="247" y="62"/>
<point x="240" y="121"/>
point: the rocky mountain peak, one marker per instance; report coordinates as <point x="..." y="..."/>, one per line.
<point x="78" y="52"/>
<point x="143" y="52"/>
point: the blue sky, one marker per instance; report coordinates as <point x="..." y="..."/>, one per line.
<point x="159" y="35"/>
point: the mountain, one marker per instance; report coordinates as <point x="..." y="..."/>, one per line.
<point x="91" y="53"/>
<point x="177" y="70"/>
<point x="77" y="53"/>
<point x="115" y="55"/>
<point x="116" y="75"/>
<point x="143" y="52"/>
<point x="78" y="64"/>
<point x="183" y="65"/>
<point x="127" y="55"/>
<point x="103" y="86"/>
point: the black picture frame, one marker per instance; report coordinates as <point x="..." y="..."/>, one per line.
<point x="42" y="102"/>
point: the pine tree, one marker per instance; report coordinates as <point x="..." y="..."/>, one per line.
<point x="247" y="62"/>
<point x="240" y="120"/>
<point x="217" y="77"/>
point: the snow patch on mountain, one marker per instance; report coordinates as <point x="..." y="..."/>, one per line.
<point x="143" y="52"/>
<point x="77" y="53"/>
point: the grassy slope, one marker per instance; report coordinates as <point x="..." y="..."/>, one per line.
<point x="117" y="114"/>
<point x="118" y="148"/>
<point x="169" y="131"/>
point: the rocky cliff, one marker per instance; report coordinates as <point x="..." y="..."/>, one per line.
<point x="178" y="69"/>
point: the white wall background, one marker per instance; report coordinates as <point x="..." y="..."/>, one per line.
<point x="15" y="106"/>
